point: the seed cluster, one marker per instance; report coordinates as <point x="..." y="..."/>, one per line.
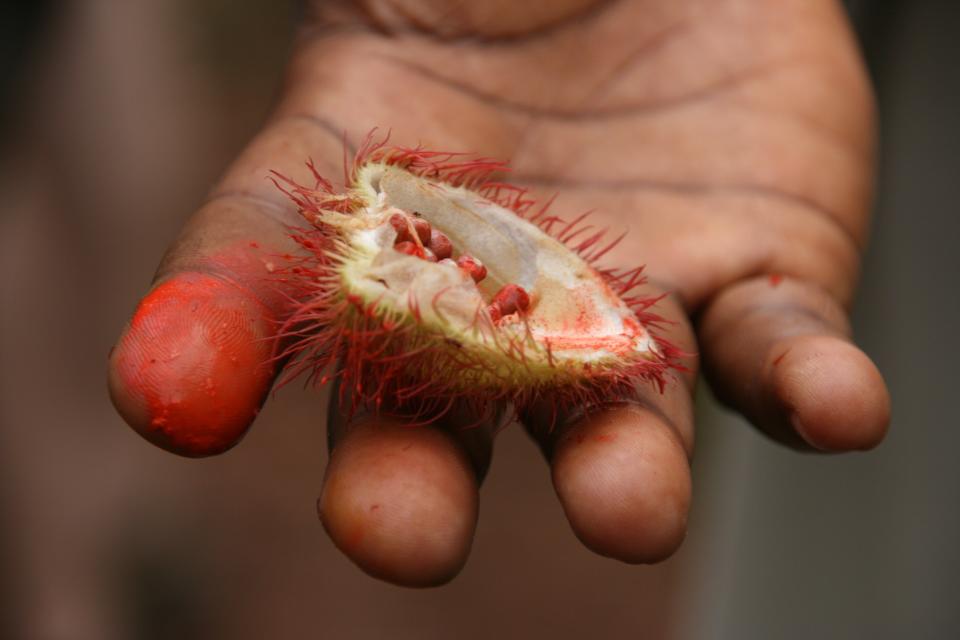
<point x="416" y="237"/>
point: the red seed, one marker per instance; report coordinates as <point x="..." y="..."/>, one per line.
<point x="409" y="248"/>
<point x="472" y="266"/>
<point x="440" y="244"/>
<point x="511" y="298"/>
<point x="423" y="229"/>
<point x="399" y="222"/>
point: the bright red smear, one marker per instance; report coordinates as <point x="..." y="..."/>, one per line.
<point x="473" y="267"/>
<point x="190" y="372"/>
<point x="775" y="279"/>
<point x="510" y="299"/>
<point x="615" y="344"/>
<point x="440" y="244"/>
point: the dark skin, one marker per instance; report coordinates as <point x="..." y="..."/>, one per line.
<point x="735" y="140"/>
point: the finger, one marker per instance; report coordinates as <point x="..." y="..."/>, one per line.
<point x="193" y="365"/>
<point x="621" y="471"/>
<point x="401" y="501"/>
<point x="778" y="350"/>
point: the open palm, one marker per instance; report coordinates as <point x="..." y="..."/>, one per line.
<point x="733" y="138"/>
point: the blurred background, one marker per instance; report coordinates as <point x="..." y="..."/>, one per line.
<point x="116" y="118"/>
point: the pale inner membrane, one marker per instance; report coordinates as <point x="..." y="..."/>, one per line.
<point x="572" y="309"/>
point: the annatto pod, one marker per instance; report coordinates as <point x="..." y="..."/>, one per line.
<point x="427" y="282"/>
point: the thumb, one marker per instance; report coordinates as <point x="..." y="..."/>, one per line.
<point x="192" y="367"/>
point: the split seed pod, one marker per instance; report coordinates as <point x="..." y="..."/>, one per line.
<point x="428" y="282"/>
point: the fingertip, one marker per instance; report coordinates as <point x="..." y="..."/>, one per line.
<point x="191" y="370"/>
<point x="401" y="502"/>
<point x="623" y="479"/>
<point x="834" y="394"/>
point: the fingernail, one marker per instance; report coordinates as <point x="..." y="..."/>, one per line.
<point x="798" y="426"/>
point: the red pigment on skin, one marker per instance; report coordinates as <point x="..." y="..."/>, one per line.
<point x="355" y="538"/>
<point x="775" y="279"/>
<point x="191" y="370"/>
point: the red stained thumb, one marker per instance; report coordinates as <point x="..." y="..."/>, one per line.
<point x="191" y="370"/>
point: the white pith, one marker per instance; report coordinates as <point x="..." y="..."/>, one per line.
<point x="574" y="321"/>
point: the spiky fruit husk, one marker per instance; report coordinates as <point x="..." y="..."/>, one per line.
<point x="519" y="312"/>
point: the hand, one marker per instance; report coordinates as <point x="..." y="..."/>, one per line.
<point x="734" y="139"/>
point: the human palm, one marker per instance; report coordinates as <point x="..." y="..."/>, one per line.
<point x="734" y="141"/>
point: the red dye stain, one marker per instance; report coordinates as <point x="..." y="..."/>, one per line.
<point x="440" y="244"/>
<point x="472" y="266"/>
<point x="354" y="537"/>
<point x="775" y="279"/>
<point x="191" y="370"/>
